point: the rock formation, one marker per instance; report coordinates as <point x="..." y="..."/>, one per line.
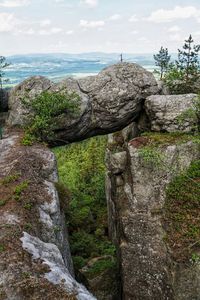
<point x="109" y="101"/>
<point x="140" y="169"/>
<point x="35" y="258"/>
<point x="164" y="112"/>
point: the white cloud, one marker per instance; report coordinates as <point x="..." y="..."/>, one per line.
<point x="90" y="3"/>
<point x="134" y="32"/>
<point x="196" y="33"/>
<point x="45" y="22"/>
<point x="69" y="32"/>
<point x="29" y="31"/>
<point x="8" y="22"/>
<point x="115" y="17"/>
<point x="14" y="3"/>
<point x="133" y="19"/>
<point x="174" y="29"/>
<point x="176" y="37"/>
<point x="91" y="24"/>
<point x="53" y="30"/>
<point x="177" y="13"/>
<point x="143" y="39"/>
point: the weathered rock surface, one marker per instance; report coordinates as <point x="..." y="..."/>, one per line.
<point x="136" y="196"/>
<point x="164" y="112"/>
<point x="110" y="101"/>
<point x="35" y="260"/>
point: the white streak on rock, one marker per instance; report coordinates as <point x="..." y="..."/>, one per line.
<point x="58" y="274"/>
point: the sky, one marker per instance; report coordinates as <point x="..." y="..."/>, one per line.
<point x="77" y="26"/>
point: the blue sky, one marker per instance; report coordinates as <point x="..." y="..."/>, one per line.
<point x="75" y="26"/>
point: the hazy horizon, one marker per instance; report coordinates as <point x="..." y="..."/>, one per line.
<point x="58" y="66"/>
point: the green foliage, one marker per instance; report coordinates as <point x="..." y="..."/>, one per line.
<point x="28" y="226"/>
<point x="185" y="71"/>
<point x="46" y="111"/>
<point x="82" y="169"/>
<point x="151" y="156"/>
<point x="79" y="262"/>
<point x="2" y="248"/>
<point x="9" y="179"/>
<point x="28" y="206"/>
<point x="157" y="139"/>
<point x="2" y="202"/>
<point x="162" y="60"/>
<point x="100" y="266"/>
<point x="19" y="189"/>
<point x="3" y="66"/>
<point x="64" y="195"/>
<point x="28" y="139"/>
<point x="195" y="258"/>
<point x="192" y="114"/>
<point x="182" y="212"/>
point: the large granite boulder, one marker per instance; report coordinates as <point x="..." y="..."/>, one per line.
<point x="18" y="114"/>
<point x="137" y="178"/>
<point x="169" y="112"/>
<point x="109" y="101"/>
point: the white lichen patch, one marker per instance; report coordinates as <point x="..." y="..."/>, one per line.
<point x="8" y="218"/>
<point x="58" y="274"/>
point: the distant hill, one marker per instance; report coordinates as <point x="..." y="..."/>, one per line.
<point x="58" y="65"/>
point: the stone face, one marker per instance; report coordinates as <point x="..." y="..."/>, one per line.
<point x="35" y="259"/>
<point x="109" y="101"/>
<point x="164" y="112"/>
<point x="135" y="206"/>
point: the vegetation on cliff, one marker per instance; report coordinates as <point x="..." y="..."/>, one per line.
<point x="82" y="170"/>
<point x="182" y="214"/>
<point x="46" y="110"/>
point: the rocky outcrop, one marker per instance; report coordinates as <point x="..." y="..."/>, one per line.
<point x="165" y="112"/>
<point x="109" y="101"/>
<point x="137" y="178"/>
<point x="35" y="260"/>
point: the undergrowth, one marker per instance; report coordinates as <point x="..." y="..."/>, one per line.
<point x="182" y="213"/>
<point x="46" y="111"/>
<point x="82" y="169"/>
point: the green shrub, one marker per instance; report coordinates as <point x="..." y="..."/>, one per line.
<point x="82" y="169"/>
<point x="2" y="202"/>
<point x="64" y="195"/>
<point x="101" y="266"/>
<point x="151" y="156"/>
<point x="2" y="248"/>
<point x="19" y="189"/>
<point x="79" y="262"/>
<point x="182" y="212"/>
<point x="45" y="112"/>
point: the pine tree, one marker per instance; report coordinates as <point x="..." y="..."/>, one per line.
<point x="183" y="75"/>
<point x="188" y="61"/>
<point x="3" y="65"/>
<point x="162" y="60"/>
